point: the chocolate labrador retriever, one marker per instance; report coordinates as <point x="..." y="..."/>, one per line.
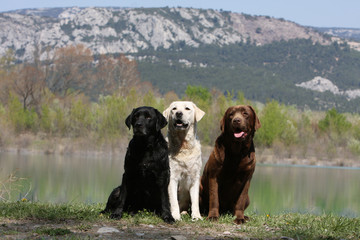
<point x="147" y="172"/>
<point x="226" y="178"/>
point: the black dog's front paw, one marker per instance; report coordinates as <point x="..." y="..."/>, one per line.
<point x="116" y="214"/>
<point x="105" y="211"/>
<point x="168" y="218"/>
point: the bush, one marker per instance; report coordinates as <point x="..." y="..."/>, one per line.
<point x="275" y="125"/>
<point x="80" y="118"/>
<point x="111" y="112"/>
<point x="335" y="126"/>
<point x="21" y="119"/>
<point x="45" y="120"/>
<point x="335" y="122"/>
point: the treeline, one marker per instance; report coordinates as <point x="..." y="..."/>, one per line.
<point x="287" y="131"/>
<point x="31" y="104"/>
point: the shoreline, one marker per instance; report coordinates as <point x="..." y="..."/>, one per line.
<point x="263" y="156"/>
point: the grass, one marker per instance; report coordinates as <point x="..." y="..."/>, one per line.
<point x="83" y="216"/>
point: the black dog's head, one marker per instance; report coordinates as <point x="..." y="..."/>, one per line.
<point x="145" y="121"/>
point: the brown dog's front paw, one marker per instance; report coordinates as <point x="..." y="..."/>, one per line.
<point x="213" y="218"/>
<point x="213" y="215"/>
<point x="241" y="220"/>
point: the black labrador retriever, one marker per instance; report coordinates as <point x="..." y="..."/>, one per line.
<point x="146" y="177"/>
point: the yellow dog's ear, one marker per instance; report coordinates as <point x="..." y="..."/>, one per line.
<point x="166" y="113"/>
<point x="198" y="113"/>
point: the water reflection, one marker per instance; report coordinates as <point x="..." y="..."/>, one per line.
<point x="305" y="189"/>
<point x="274" y="189"/>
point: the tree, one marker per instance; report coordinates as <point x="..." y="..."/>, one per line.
<point x="198" y="93"/>
<point x="28" y="83"/>
<point x="72" y="69"/>
<point x="116" y="74"/>
<point x="126" y="74"/>
<point x="273" y="124"/>
<point x="334" y="122"/>
<point x="7" y="65"/>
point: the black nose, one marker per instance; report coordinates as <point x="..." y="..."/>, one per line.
<point x="138" y="124"/>
<point x="179" y="114"/>
<point x="237" y="120"/>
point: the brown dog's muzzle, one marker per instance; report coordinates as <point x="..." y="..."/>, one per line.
<point x="239" y="128"/>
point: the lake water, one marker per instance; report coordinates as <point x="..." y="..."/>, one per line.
<point x="274" y="189"/>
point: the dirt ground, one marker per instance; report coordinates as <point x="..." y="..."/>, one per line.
<point x="27" y="229"/>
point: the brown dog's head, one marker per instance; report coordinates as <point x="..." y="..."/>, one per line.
<point x="240" y="122"/>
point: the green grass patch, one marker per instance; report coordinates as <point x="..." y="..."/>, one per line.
<point x="291" y="225"/>
<point x="50" y="212"/>
<point x="52" y="231"/>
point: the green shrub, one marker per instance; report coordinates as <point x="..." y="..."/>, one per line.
<point x="21" y="119"/>
<point x="111" y="112"/>
<point x="45" y="120"/>
<point x="80" y="118"/>
<point x="334" y="121"/>
<point x="274" y="124"/>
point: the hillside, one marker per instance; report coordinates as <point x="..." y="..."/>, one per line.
<point x="279" y="70"/>
<point x="264" y="57"/>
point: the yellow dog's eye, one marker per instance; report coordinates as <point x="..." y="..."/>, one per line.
<point x="188" y="109"/>
<point x="174" y="108"/>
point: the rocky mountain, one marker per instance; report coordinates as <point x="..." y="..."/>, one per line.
<point x="126" y="30"/>
<point x="321" y="84"/>
<point x="345" y="33"/>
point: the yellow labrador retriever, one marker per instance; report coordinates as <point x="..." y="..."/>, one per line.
<point x="184" y="156"/>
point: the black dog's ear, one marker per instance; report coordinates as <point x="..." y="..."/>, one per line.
<point x="129" y="119"/>
<point x="161" y="121"/>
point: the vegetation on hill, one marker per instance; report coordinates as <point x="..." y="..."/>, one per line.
<point x="262" y="73"/>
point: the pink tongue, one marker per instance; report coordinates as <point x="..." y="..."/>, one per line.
<point x="239" y="135"/>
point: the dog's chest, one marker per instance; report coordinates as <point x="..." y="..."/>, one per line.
<point x="145" y="164"/>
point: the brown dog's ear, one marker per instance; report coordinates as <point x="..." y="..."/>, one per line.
<point x="129" y="119"/>
<point x="161" y="120"/>
<point x="223" y="120"/>
<point x="222" y="124"/>
<point x="257" y="121"/>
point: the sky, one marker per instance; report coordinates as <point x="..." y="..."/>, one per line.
<point x="316" y="13"/>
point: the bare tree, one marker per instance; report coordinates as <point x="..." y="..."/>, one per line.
<point x="28" y="82"/>
<point x="71" y="68"/>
